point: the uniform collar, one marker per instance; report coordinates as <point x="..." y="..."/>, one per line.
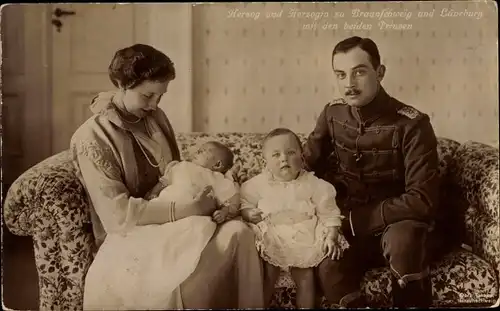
<point x="380" y="105"/>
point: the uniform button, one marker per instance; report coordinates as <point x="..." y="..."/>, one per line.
<point x="378" y="131"/>
<point x="344" y="126"/>
<point x="374" y="150"/>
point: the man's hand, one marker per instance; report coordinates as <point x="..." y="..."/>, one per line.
<point x="331" y="245"/>
<point x="253" y="215"/>
<point x="220" y="215"/>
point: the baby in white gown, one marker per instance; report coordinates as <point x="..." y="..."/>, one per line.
<point x="155" y="257"/>
<point x="294" y="215"/>
<point x="211" y="165"/>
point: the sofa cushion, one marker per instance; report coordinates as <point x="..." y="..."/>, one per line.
<point x="476" y="175"/>
<point x="476" y="172"/>
<point x="38" y="193"/>
<point x="460" y="277"/>
<point x="446" y="151"/>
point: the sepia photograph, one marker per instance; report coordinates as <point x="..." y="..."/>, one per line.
<point x="310" y="155"/>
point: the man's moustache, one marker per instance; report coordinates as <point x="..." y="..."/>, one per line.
<point x="352" y="92"/>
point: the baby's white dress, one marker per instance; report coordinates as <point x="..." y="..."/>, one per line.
<point x="295" y="216"/>
<point x="153" y="281"/>
<point x="186" y="179"/>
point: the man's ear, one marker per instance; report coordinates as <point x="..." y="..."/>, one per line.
<point x="381" y="73"/>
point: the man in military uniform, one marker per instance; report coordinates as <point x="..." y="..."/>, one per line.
<point x="386" y="174"/>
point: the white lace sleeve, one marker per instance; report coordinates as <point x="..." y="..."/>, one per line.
<point x="224" y="188"/>
<point x="249" y="194"/>
<point x="101" y="174"/>
<point x="326" y="207"/>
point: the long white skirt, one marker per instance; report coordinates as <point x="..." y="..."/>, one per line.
<point x="144" y="268"/>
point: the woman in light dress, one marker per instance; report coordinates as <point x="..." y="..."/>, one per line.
<point x="119" y="153"/>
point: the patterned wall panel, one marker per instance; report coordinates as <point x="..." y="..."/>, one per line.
<point x="262" y="65"/>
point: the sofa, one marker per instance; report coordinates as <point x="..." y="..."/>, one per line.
<point x="48" y="203"/>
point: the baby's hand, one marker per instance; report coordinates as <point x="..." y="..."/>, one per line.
<point x="219" y="216"/>
<point x="331" y="245"/>
<point x="253" y="215"/>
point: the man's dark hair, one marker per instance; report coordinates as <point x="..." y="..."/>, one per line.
<point x="135" y="64"/>
<point x="282" y="131"/>
<point x="365" y="44"/>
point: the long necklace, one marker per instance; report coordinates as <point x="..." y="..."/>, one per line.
<point x="144" y="151"/>
<point x="139" y="143"/>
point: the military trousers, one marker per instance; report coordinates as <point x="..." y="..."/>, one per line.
<point x="406" y="247"/>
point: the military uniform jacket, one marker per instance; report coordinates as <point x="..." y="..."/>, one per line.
<point x="385" y="162"/>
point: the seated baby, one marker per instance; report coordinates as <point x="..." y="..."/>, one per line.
<point x="210" y="166"/>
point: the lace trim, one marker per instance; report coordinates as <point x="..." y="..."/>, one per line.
<point x="101" y="156"/>
<point x="276" y="255"/>
<point x="270" y="177"/>
<point x="282" y="262"/>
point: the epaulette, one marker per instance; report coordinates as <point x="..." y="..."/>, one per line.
<point x="337" y="101"/>
<point x="409" y="112"/>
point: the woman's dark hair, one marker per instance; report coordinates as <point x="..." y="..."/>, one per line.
<point x="282" y="131"/>
<point x="138" y="63"/>
<point x="365" y="44"/>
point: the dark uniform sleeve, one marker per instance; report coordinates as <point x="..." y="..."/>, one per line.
<point x="422" y="181"/>
<point x="318" y="146"/>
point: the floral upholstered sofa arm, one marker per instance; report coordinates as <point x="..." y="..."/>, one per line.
<point x="476" y="175"/>
<point x="48" y="203"/>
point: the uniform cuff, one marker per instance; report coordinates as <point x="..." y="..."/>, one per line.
<point x="367" y="220"/>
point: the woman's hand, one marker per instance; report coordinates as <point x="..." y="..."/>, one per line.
<point x="253" y="215"/>
<point x="153" y="193"/>
<point x="331" y="245"/>
<point x="204" y="202"/>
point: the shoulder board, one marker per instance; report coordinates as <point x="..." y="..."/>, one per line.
<point x="409" y="112"/>
<point x="337" y="101"/>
